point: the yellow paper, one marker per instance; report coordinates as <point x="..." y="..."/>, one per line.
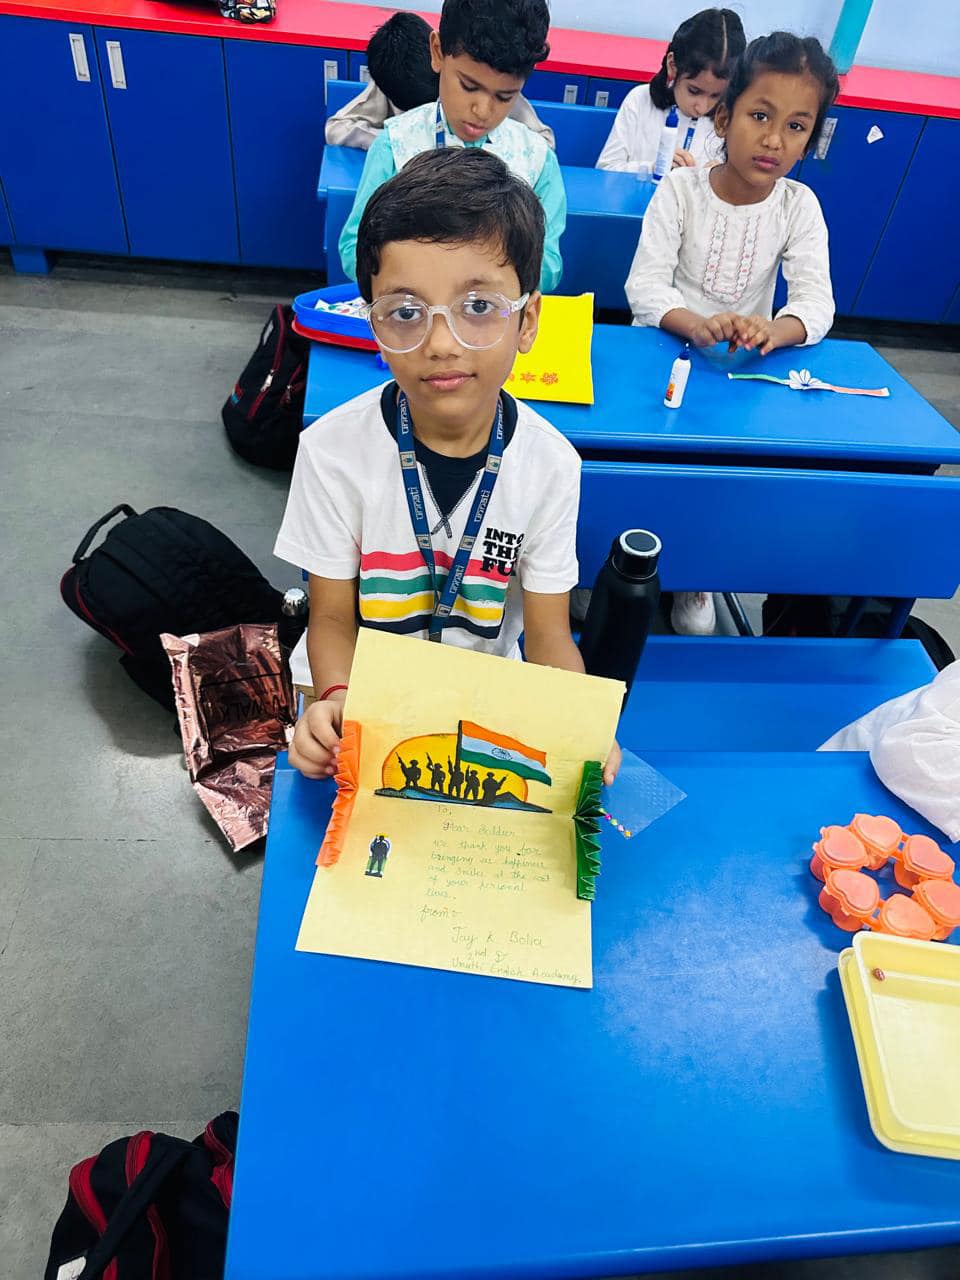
<point x="558" y="367"/>
<point x="441" y="880"/>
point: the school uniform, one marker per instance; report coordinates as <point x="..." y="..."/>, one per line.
<point x="347" y="517"/>
<point x="358" y="124"/>
<point x="635" y="136"/>
<point x="524" y="152"/>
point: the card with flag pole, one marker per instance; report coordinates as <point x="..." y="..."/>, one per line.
<point x="454" y="840"/>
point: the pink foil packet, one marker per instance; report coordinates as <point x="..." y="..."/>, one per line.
<point x="236" y="708"/>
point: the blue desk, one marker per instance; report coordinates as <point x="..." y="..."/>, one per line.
<point x="602" y="209"/>
<point x="700" y="1106"/>
<point x="719" y="419"/>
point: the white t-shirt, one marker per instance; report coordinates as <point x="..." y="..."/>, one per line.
<point x="697" y="251"/>
<point x="347" y="516"/>
<point x="635" y="135"/>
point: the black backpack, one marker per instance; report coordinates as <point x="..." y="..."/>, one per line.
<point x="264" y="414"/>
<point x="166" y="570"/>
<point x="149" y="1207"/>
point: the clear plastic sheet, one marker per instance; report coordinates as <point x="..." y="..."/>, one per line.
<point x="639" y="796"/>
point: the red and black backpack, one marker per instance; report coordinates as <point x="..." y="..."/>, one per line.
<point x="264" y="413"/>
<point x="150" y="1207"/>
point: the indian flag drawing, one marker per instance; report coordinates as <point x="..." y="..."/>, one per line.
<point x="492" y="750"/>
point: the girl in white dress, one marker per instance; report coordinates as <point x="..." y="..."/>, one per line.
<point x="714" y="238"/>
<point x="693" y="78"/>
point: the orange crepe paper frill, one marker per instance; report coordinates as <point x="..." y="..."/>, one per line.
<point x="347" y="780"/>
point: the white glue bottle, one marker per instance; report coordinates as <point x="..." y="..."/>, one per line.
<point x="668" y="145"/>
<point x="678" y="379"/>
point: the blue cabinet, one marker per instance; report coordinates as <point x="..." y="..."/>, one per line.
<point x="916" y="269"/>
<point x="357" y="67"/>
<point x="277" y="111"/>
<point x="856" y="181"/>
<point x="167" y="103"/>
<point x="551" y="86"/>
<point x="56" y="163"/>
<point x="6" y="228"/>
<point x="607" y="93"/>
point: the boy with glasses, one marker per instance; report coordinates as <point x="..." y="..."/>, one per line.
<point x="482" y="54"/>
<point x="437" y="506"/>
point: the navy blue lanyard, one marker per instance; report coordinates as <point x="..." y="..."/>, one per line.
<point x="441" y="128"/>
<point x="445" y="600"/>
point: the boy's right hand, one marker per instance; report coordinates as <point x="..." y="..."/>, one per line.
<point x="316" y="739"/>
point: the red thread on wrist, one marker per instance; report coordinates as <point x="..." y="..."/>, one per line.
<point x="327" y="692"/>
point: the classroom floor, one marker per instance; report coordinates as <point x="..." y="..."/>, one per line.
<point x="126" y="927"/>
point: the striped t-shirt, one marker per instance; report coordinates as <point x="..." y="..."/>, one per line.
<point x="347" y="517"/>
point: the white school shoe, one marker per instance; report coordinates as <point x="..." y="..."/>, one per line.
<point x="693" y="613"/>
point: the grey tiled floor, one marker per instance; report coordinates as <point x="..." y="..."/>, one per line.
<point x="126" y="929"/>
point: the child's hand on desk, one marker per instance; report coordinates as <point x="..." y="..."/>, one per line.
<point x="754" y="331"/>
<point x="612" y="765"/>
<point x="709" y="330"/>
<point x="683" y="159"/>
<point x="316" y="739"/>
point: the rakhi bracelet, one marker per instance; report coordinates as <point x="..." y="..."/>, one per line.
<point x="327" y="692"/>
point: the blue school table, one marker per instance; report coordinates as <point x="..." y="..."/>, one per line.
<point x="700" y="1106"/>
<point x="720" y="419"/>
<point x="602" y="209"/>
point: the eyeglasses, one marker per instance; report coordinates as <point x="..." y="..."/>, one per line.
<point x="478" y="320"/>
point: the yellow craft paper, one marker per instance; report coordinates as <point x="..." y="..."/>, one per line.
<point x="558" y="367"/>
<point x="473" y="888"/>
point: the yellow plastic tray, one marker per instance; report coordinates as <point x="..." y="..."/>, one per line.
<point x="906" y="1030"/>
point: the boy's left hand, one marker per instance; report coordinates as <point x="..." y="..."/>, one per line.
<point x="612" y="764"/>
<point x="753" y="331"/>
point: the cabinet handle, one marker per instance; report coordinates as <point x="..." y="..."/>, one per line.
<point x="602" y="99"/>
<point x="78" y="51"/>
<point x="826" y="137"/>
<point x="118" y="77"/>
<point x="570" y="94"/>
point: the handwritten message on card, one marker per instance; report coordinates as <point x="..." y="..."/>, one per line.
<point x="459" y="891"/>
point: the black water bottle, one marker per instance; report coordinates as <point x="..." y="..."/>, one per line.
<point x="622" y="607"/>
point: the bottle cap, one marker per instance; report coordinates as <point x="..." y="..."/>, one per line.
<point x="636" y="552"/>
<point x="685" y="353"/>
<point x="672" y="117"/>
<point x="295" y="602"/>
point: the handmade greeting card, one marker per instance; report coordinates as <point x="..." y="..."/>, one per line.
<point x="464" y="834"/>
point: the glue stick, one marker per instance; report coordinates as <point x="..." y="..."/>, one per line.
<point x="668" y="145"/>
<point x="679" y="374"/>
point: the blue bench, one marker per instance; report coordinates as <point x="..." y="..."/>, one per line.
<point x="756" y="530"/>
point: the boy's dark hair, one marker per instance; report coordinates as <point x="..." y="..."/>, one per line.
<point x="792" y="55"/>
<point x="454" y="195"/>
<point x="398" y="57"/>
<point x="508" y="35"/>
<point x="709" y="41"/>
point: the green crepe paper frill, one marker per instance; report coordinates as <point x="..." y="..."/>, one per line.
<point x="586" y="824"/>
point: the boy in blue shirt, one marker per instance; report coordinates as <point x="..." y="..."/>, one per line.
<point x="483" y="53"/>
